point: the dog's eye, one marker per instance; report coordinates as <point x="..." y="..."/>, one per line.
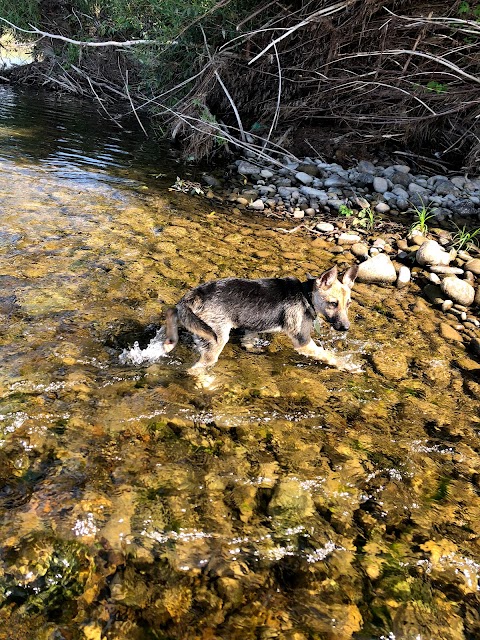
<point x="333" y="305"/>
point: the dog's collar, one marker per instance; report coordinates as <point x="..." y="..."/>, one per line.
<point x="308" y="294"/>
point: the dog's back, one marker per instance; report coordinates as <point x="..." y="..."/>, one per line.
<point x="265" y="305"/>
<point x="254" y="305"/>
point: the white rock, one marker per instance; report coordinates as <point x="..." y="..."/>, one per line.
<point x="378" y="269"/>
<point x="348" y="238"/>
<point x="458" y="290"/>
<point x="431" y="253"/>
<point x="326" y="227"/>
<point x="404" y="276"/>
<point x="258" y="205"/>
<point x="382" y="207"/>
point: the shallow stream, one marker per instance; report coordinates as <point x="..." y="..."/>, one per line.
<point x="281" y="499"/>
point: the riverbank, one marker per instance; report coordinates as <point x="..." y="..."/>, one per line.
<point x="397" y="224"/>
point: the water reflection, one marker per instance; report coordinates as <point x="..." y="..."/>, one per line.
<point x="284" y="500"/>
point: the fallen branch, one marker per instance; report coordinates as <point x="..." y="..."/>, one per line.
<point x="82" y="43"/>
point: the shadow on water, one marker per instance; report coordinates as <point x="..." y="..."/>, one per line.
<point x="275" y="498"/>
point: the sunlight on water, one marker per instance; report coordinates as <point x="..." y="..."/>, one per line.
<point x="270" y="497"/>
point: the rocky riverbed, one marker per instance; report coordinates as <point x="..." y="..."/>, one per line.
<point x="400" y="226"/>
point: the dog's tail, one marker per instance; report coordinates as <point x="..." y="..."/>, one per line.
<point x="184" y="316"/>
<point x="193" y="323"/>
<point x="171" y="329"/>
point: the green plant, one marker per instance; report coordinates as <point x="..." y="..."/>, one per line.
<point x="367" y="219"/>
<point x="343" y="210"/>
<point x="423" y="213"/>
<point x="438" y="87"/>
<point x="465" y="239"/>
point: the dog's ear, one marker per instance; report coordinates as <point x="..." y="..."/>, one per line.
<point x="326" y="280"/>
<point x="349" y="276"/>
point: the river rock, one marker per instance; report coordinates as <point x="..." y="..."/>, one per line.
<point x="431" y="253"/>
<point x="391" y="364"/>
<point x="378" y="269"/>
<point x="348" y="238"/>
<point x="311" y="169"/>
<point x="335" y="181"/>
<point x="449" y="333"/>
<point x="247" y="168"/>
<point x="401" y="178"/>
<point x="417" y="238"/>
<point x="359" y="250"/>
<point x="464" y="207"/>
<point x="413" y="187"/>
<point x="382" y="207"/>
<point x="445" y="188"/>
<point x="404" y="276"/>
<point x="473" y="266"/>
<point x="266" y="173"/>
<point x="446" y="271"/>
<point x="291" y="501"/>
<point x="311" y="192"/>
<point x="380" y="185"/>
<point x="458" y="290"/>
<point x="303" y="177"/>
<point x="258" y="205"/>
<point x="326" y="227"/>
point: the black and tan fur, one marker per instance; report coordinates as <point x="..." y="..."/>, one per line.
<point x="266" y="305"/>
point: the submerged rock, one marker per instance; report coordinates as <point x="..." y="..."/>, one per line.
<point x="391" y="364"/>
<point x="291" y="501"/>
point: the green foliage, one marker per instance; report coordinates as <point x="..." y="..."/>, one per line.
<point x="438" y="87"/>
<point x="343" y="210"/>
<point x="469" y="11"/>
<point x="464" y="239"/>
<point x="367" y="219"/>
<point x="423" y="214"/>
<point x="22" y="14"/>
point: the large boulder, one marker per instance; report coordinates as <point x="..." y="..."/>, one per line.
<point x="431" y="253"/>
<point x="379" y="269"/>
<point x="458" y="290"/>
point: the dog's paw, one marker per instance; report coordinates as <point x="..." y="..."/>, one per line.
<point x="348" y="365"/>
<point x="168" y="346"/>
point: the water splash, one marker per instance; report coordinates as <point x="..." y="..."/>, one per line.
<point x="152" y="353"/>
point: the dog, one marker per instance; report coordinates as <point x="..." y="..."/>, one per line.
<point x="265" y="305"/>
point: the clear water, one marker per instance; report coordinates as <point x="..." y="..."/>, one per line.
<point x="275" y="499"/>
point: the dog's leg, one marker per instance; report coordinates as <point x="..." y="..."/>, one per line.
<point x="249" y="342"/>
<point x="312" y="350"/>
<point x="211" y="350"/>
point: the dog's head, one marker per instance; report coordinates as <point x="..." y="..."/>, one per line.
<point x="331" y="297"/>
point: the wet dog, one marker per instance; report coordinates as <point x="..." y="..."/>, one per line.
<point x="266" y="305"/>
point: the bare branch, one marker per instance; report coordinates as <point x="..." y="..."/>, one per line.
<point x="81" y="43"/>
<point x="328" y="11"/>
